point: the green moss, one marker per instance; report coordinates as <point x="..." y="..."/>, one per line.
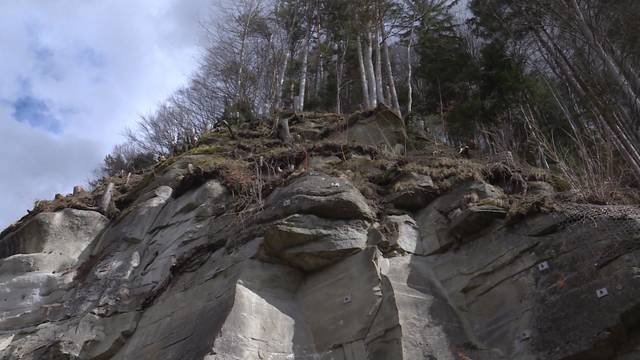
<point x="560" y="183"/>
<point x="208" y="163"/>
<point x="166" y="164"/>
<point x="213" y="137"/>
<point x="522" y="208"/>
<point x="501" y="203"/>
<point x="447" y="173"/>
<point x="207" y="150"/>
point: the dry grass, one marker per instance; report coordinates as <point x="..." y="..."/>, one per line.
<point x="253" y="163"/>
<point x="521" y="208"/>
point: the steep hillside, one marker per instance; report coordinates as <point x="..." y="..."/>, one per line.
<point x="356" y="241"/>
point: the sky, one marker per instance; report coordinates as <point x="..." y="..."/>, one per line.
<point x="73" y="75"/>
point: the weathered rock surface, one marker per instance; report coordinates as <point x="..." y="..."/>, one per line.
<point x="412" y="192"/>
<point x="441" y="222"/>
<point x="310" y="243"/>
<point x="317" y="273"/>
<point x="318" y="194"/>
<point x="35" y="263"/>
<point x="382" y="129"/>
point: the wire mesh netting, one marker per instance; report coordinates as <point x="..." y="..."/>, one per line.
<point x="619" y="225"/>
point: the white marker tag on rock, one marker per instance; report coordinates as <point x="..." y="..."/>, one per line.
<point x="543" y="266"/>
<point x="602" y="293"/>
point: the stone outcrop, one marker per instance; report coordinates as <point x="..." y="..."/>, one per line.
<point x="412" y="192"/>
<point x="36" y="262"/>
<point x="320" y="271"/>
<point x="382" y="128"/>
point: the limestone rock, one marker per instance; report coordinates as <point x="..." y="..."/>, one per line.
<point x="474" y="220"/>
<point x="534" y="291"/>
<point x="318" y="194"/>
<point x="310" y="243"/>
<point x="417" y="317"/>
<point x="35" y="259"/>
<point x="65" y="233"/>
<point x="341" y="303"/>
<point x="380" y="128"/>
<point x="402" y="233"/>
<point x="412" y="192"/>
<point x="437" y="220"/>
<point x="133" y="227"/>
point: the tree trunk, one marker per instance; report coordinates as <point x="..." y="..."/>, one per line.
<point x="293" y="96"/>
<point x="239" y="92"/>
<point x="371" y="75"/>
<point x="318" y="86"/>
<point x="392" y="82"/>
<point x="442" y="118"/>
<point x="387" y="91"/>
<point x="280" y="86"/>
<point x="610" y="130"/>
<point x="303" y="73"/>
<point x="609" y="63"/>
<point x="379" y="82"/>
<point x="410" y="76"/>
<point x="283" y="129"/>
<point x="363" y="76"/>
<point x="629" y="71"/>
<point x="272" y="99"/>
<point x="243" y="40"/>
<point x="339" y="69"/>
<point x="320" y="80"/>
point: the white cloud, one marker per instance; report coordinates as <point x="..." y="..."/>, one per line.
<point x="92" y="67"/>
<point x="36" y="165"/>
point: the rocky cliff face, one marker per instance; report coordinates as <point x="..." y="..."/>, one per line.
<point x="330" y="251"/>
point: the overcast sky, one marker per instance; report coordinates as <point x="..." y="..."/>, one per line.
<point x="73" y="75"/>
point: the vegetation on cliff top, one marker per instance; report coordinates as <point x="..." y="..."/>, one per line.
<point x="553" y="82"/>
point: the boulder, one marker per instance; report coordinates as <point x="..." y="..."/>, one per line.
<point x="341" y="303"/>
<point x="381" y="128"/>
<point x="250" y="311"/>
<point x="317" y="194"/>
<point x="101" y="338"/>
<point x="178" y="230"/>
<point x="475" y="219"/>
<point x="457" y="209"/>
<point x="310" y="243"/>
<point x="412" y="192"/>
<point x="134" y="226"/>
<point x="401" y="232"/>
<point x="265" y="320"/>
<point x="36" y="257"/>
<point x="205" y="201"/>
<point x="64" y="234"/>
<point x="416" y="320"/>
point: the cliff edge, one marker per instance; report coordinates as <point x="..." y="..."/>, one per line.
<point x="359" y="240"/>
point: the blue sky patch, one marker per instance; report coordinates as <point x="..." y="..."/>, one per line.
<point x="35" y="112"/>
